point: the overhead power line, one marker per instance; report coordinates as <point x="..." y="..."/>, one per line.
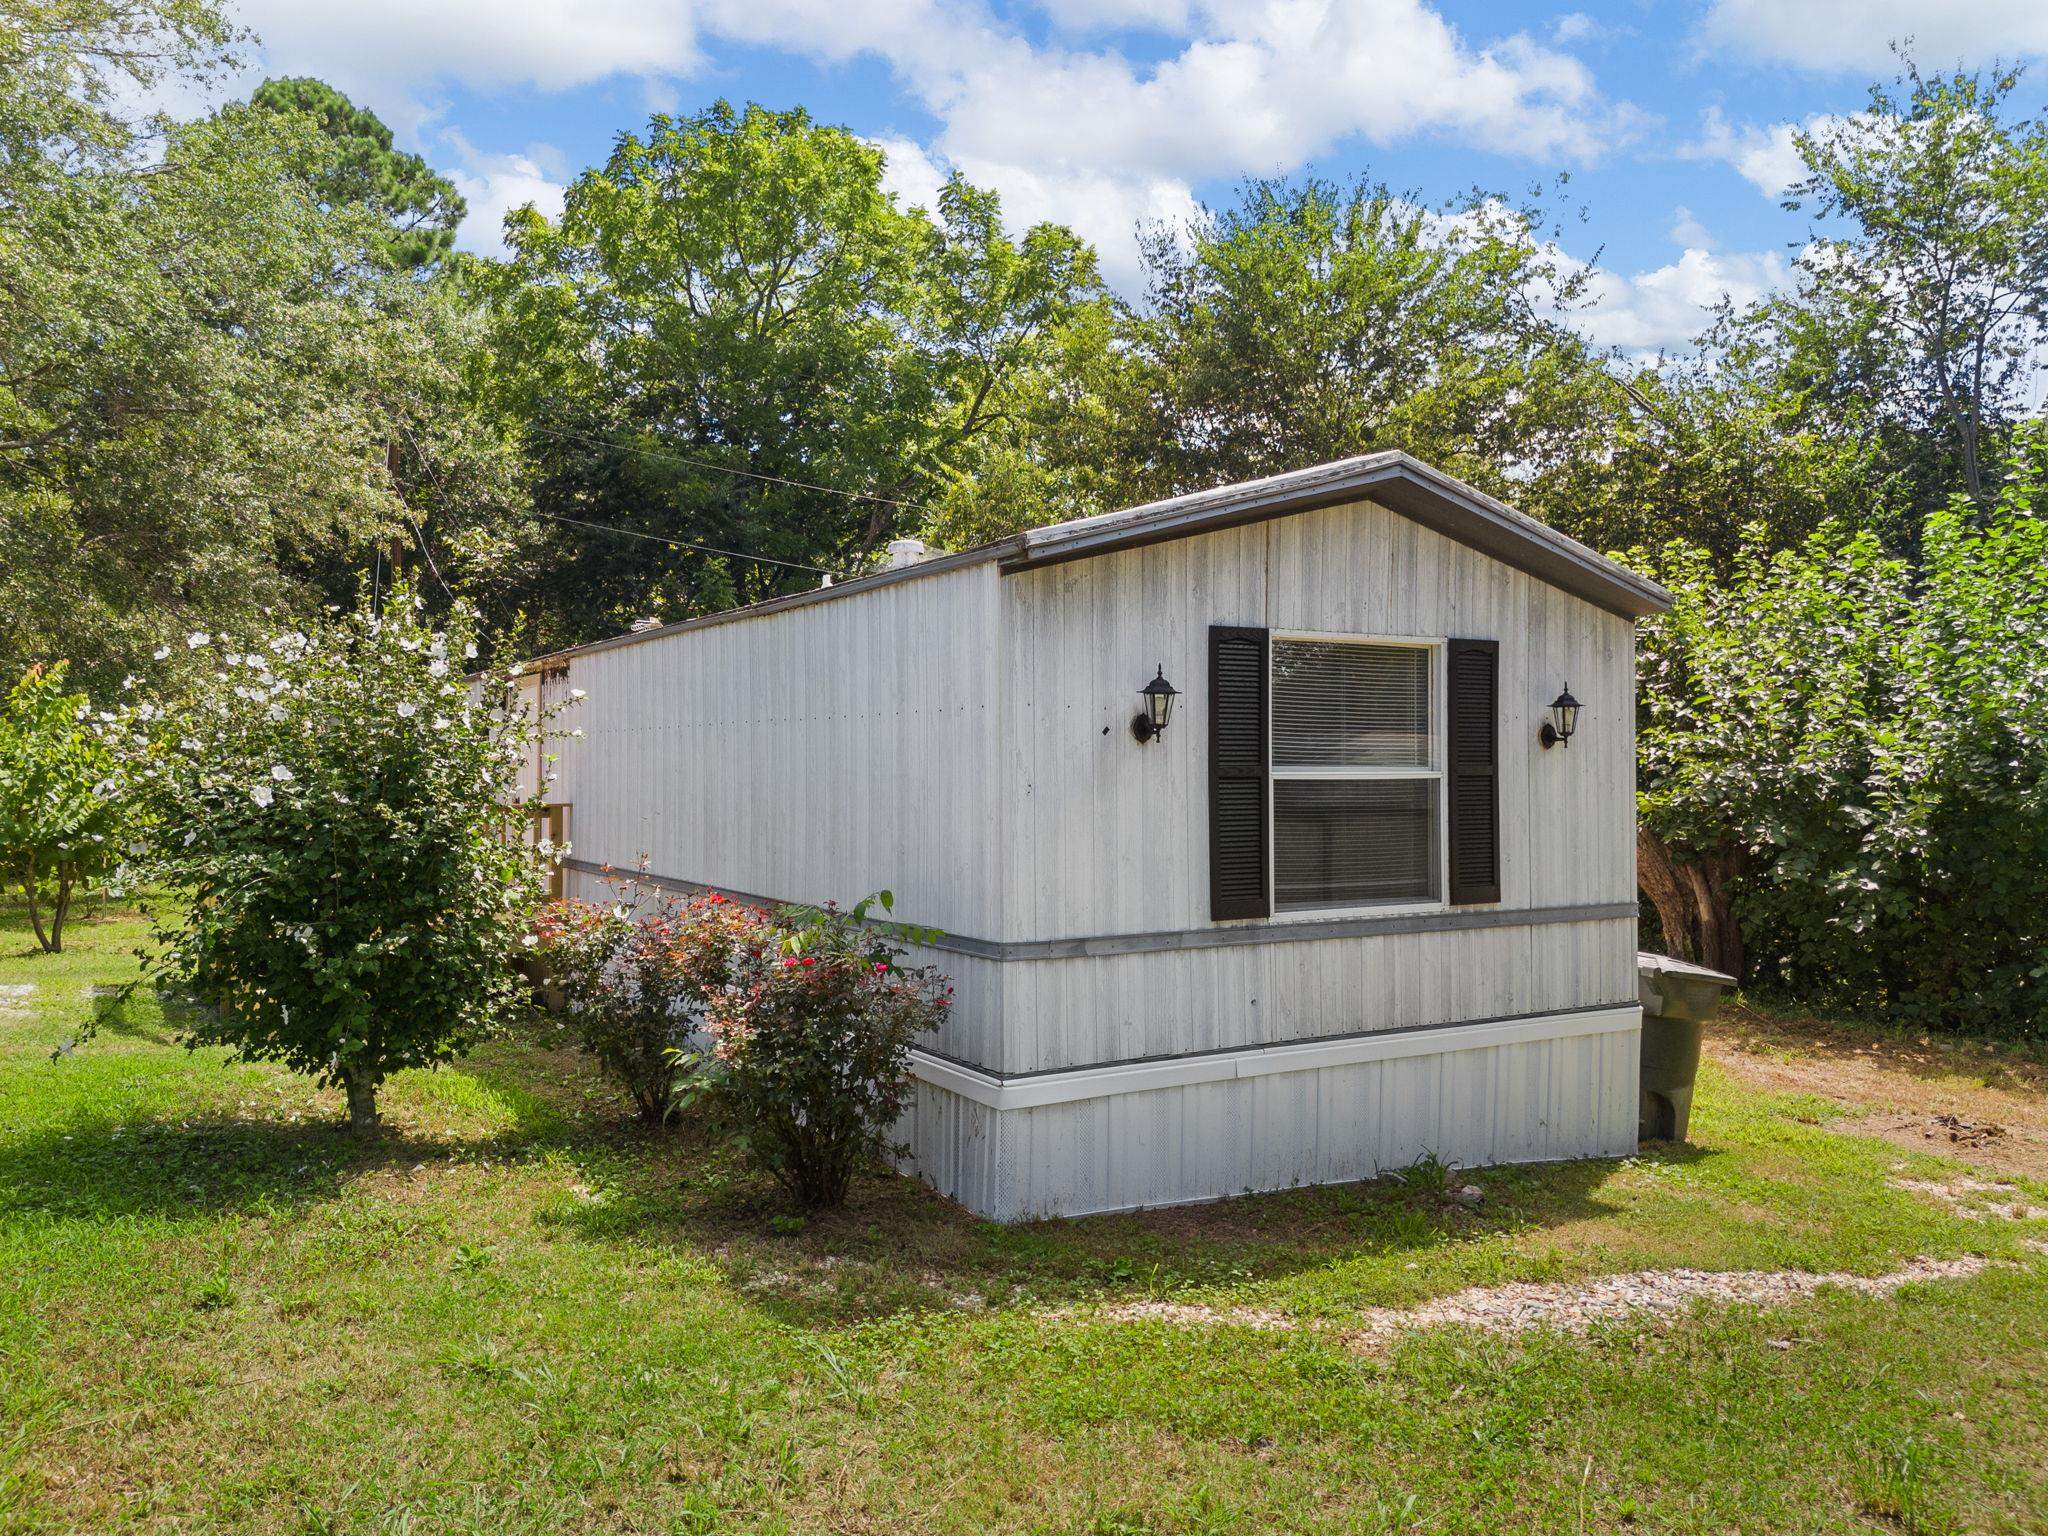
<point x="705" y="549"/>
<point x="726" y="469"/>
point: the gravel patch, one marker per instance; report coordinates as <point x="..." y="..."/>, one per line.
<point x="1977" y="1199"/>
<point x="1570" y="1307"/>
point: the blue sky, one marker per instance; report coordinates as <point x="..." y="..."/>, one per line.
<point x="1672" y="120"/>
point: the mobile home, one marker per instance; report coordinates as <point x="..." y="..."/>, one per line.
<point x="1361" y="888"/>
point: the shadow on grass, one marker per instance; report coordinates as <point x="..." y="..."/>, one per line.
<point x="113" y="1013"/>
<point x="897" y="1246"/>
<point x="211" y="1165"/>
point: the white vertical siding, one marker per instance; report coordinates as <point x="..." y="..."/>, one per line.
<point x="1107" y="836"/>
<point x="1573" y="1095"/>
<point x="821" y="752"/>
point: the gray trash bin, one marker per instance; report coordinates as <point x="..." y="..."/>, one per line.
<point x="1678" y="998"/>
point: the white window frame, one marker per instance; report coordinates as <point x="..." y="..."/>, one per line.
<point x="1437" y="646"/>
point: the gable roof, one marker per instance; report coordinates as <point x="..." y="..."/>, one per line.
<point x="1393" y="479"/>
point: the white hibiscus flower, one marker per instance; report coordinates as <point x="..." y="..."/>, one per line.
<point x="196" y="639"/>
<point x="262" y="795"/>
<point x="407" y="710"/>
<point x="281" y="774"/>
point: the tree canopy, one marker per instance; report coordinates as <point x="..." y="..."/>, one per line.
<point x="735" y="340"/>
<point x="355" y="166"/>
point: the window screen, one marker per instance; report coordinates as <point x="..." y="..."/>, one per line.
<point x="1356" y="791"/>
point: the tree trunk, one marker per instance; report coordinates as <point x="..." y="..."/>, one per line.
<point x="35" y="911"/>
<point x="1694" y="894"/>
<point x="1658" y="877"/>
<point x="362" y="1101"/>
<point x="64" y="883"/>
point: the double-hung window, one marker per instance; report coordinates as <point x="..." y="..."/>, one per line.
<point x="1357" y="774"/>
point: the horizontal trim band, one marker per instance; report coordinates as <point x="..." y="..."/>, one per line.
<point x="1069" y="1085"/>
<point x="1301" y="932"/>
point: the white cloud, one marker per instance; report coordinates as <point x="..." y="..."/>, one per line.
<point x="1078" y="133"/>
<point x="1259" y="86"/>
<point x="1767" y="158"/>
<point x="495" y="185"/>
<point x="1665" y="309"/>
<point x="1575" y="27"/>
<point x="1688" y="231"/>
<point x="1856" y="34"/>
<point x="390" y="45"/>
<point x="910" y="173"/>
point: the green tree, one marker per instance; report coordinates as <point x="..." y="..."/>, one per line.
<point x="1311" y="321"/>
<point x="215" y="397"/>
<point x="1923" y="302"/>
<point x="330" y="815"/>
<point x="357" y="166"/>
<point x="1843" y="764"/>
<point x="1710" y="449"/>
<point x="63" y="813"/>
<point x="733" y="337"/>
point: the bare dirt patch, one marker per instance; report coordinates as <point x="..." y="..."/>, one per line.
<point x="1959" y="1099"/>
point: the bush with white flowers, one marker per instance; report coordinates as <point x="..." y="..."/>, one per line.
<point x="331" y="809"/>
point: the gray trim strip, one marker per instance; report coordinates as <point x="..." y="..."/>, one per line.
<point x="1449" y="1031"/>
<point x="1183" y="938"/>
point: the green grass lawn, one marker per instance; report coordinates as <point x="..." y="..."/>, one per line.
<point x="515" y="1311"/>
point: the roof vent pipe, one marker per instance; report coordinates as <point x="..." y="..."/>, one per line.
<point x="904" y="552"/>
<point x="641" y="626"/>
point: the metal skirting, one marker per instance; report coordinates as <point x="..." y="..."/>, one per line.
<point x="1068" y="1085"/>
<point x="1220" y="937"/>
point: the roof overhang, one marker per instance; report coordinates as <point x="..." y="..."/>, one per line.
<point x="1395" y="480"/>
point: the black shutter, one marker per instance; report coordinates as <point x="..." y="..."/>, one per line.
<point x="1472" y="732"/>
<point x="1239" y="753"/>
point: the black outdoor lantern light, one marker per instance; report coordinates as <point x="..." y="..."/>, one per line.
<point x="1158" y="695"/>
<point x="1563" y="721"/>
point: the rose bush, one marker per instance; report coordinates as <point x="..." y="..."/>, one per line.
<point x="635" y="988"/>
<point x="809" y="1062"/>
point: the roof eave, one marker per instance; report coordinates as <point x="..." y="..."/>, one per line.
<point x="1395" y="480"/>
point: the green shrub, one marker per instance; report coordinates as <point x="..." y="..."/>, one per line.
<point x="63" y="812"/>
<point x="635" y="988"/>
<point x="1844" y="768"/>
<point x="331" y="809"/>
<point x="809" y="1064"/>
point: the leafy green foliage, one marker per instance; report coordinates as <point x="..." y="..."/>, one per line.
<point x="1312" y="321"/>
<point x="1872" y="736"/>
<point x="330" y="809"/>
<point x="734" y="337"/>
<point x="634" y="987"/>
<point x="356" y="165"/>
<point x="810" y="1056"/>
<point x="215" y="397"/>
<point x="1923" y="304"/>
<point x="63" y="812"/>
